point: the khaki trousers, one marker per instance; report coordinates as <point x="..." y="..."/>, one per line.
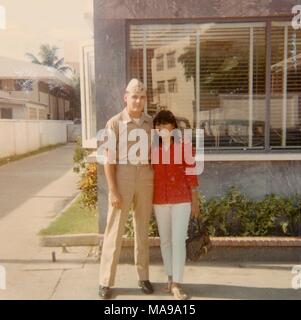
<point x="135" y="185"/>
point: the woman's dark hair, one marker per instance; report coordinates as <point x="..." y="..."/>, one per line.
<point x="165" y="117"/>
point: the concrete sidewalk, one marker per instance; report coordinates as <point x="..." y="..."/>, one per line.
<point x="74" y="277"/>
<point x="35" y="189"/>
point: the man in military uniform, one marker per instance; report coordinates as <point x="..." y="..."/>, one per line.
<point x="129" y="185"/>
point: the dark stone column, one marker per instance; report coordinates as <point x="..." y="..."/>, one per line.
<point x="110" y="77"/>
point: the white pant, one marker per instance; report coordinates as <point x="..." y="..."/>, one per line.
<point x="173" y="220"/>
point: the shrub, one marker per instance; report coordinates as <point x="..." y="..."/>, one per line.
<point x="233" y="214"/>
<point x="88" y="186"/>
<point x="129" y="227"/>
<point x="236" y="215"/>
<point x="88" y="176"/>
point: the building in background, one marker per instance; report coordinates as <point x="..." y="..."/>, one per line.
<point x="31" y="91"/>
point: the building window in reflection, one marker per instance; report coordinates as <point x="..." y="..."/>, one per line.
<point x="171" y="60"/>
<point x="160" y="63"/>
<point x="172" y="86"/>
<point x="161" y="87"/>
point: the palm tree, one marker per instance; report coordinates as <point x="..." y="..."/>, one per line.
<point x="48" y="57"/>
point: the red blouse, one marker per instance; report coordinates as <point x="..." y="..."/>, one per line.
<point x="171" y="183"/>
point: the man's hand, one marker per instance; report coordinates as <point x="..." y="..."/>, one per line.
<point x="115" y="199"/>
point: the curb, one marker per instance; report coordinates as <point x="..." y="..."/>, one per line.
<point x="94" y="239"/>
<point x="69" y="204"/>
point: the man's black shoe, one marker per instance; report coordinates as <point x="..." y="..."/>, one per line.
<point x="146" y="286"/>
<point x="104" y="292"/>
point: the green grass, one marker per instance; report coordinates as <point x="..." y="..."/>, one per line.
<point x="7" y="160"/>
<point x="76" y="219"/>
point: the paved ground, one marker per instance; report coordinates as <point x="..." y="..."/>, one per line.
<point x="35" y="189"/>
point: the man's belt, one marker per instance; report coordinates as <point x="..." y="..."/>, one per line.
<point x="139" y="163"/>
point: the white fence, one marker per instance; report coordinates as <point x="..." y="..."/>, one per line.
<point x="22" y="136"/>
<point x="74" y="132"/>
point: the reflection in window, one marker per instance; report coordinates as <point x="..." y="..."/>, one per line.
<point x="161" y="87"/>
<point x="232" y="86"/>
<point x="218" y="78"/>
<point x="172" y="86"/>
<point x="171" y="60"/>
<point x="160" y="63"/>
<point x="285" y="129"/>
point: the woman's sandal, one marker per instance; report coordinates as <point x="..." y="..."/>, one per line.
<point x="178" y="293"/>
<point x="167" y="288"/>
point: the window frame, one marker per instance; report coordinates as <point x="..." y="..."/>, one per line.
<point x="174" y="84"/>
<point x="168" y="60"/>
<point x="268" y="20"/>
<point x="160" y="64"/>
<point x="88" y="140"/>
<point x="161" y="89"/>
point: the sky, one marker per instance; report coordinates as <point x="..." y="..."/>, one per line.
<point x="31" y="23"/>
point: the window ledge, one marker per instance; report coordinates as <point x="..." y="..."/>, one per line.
<point x="254" y="157"/>
<point x="236" y="157"/>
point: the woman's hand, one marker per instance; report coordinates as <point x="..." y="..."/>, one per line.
<point x="195" y="210"/>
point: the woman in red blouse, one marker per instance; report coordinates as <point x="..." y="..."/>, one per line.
<point x="175" y="197"/>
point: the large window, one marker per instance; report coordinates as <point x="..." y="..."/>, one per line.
<point x="285" y="130"/>
<point x="218" y="82"/>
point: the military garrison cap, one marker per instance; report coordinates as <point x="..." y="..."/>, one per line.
<point x="136" y="86"/>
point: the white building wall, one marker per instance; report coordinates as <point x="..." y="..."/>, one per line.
<point x="19" y="112"/>
<point x="21" y="136"/>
